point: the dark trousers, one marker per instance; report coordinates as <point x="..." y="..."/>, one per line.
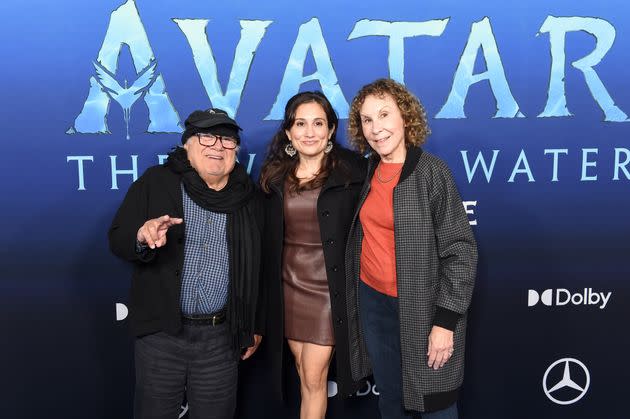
<point x="199" y="361"/>
<point x="381" y="328"/>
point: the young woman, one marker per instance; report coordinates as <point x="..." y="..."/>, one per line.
<point x="311" y="186"/>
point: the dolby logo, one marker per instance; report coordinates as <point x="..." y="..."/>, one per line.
<point x="563" y="297"/>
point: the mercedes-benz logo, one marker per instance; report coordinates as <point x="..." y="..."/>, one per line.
<point x="567" y="380"/>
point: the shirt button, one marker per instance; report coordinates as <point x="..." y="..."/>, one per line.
<point x="330" y="242"/>
<point x="326" y="213"/>
<point x="209" y="220"/>
<point x="335" y="268"/>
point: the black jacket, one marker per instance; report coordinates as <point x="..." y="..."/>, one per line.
<point x="156" y="280"/>
<point x="335" y="207"/>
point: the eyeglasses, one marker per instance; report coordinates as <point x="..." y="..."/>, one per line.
<point x="208" y="140"/>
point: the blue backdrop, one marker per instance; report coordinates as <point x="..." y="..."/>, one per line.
<point x="528" y="104"/>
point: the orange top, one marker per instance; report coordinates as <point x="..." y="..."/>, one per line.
<point x="378" y="251"/>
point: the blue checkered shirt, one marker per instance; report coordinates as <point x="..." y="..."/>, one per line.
<point x="205" y="276"/>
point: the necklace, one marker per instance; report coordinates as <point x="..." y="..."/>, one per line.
<point x="380" y="179"/>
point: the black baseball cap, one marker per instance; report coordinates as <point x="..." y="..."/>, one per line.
<point x="213" y="120"/>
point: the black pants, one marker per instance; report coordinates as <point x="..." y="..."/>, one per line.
<point x="199" y="361"/>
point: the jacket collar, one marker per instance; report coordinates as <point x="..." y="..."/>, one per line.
<point x="277" y="187"/>
<point x="411" y="161"/>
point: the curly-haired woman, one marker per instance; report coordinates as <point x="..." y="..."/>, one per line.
<point x="410" y="261"/>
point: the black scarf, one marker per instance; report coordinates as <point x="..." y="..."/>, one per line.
<point x="243" y="235"/>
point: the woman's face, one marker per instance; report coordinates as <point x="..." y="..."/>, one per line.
<point x="384" y="127"/>
<point x="309" y="133"/>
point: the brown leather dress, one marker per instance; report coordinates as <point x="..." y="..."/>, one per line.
<point x="307" y="313"/>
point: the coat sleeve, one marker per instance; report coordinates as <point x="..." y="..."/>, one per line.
<point x="261" y="305"/>
<point x="456" y="247"/>
<point x="131" y="215"/>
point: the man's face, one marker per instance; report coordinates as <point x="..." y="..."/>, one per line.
<point x="213" y="163"/>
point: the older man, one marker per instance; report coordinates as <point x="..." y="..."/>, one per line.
<point x="192" y="229"/>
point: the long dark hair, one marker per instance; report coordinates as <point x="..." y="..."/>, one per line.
<point x="278" y="165"/>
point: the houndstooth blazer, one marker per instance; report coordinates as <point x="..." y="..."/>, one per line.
<point x="436" y="260"/>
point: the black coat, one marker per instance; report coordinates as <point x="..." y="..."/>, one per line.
<point x="154" y="302"/>
<point x="335" y="207"/>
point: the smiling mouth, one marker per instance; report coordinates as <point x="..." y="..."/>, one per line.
<point x="380" y="140"/>
<point x="212" y="157"/>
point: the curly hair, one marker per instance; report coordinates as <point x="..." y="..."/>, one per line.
<point x="415" y="117"/>
<point x="278" y="165"/>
